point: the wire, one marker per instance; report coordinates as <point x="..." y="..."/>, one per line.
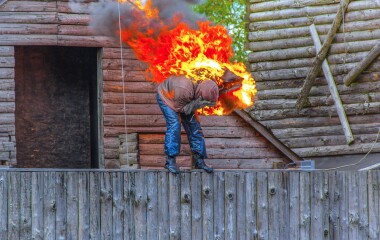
<point x="122" y="77"/>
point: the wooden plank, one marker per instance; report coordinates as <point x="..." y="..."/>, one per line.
<point x="7" y="62"/>
<point x="14" y="206"/>
<point x="83" y="205"/>
<point x="251" y="206"/>
<point x="37" y="205"/>
<point x="326" y="206"/>
<point x="316" y="202"/>
<point x="28" y="17"/>
<point x="30" y="39"/>
<point x="175" y="207"/>
<point x="72" y="205"/>
<point x="305" y="205"/>
<point x="129" y="200"/>
<point x="363" y="204"/>
<point x="196" y="205"/>
<point x="18" y="28"/>
<point x="49" y="201"/>
<point x="75" y="30"/>
<point x="152" y="205"/>
<point x="25" y="205"/>
<point x="186" y="199"/>
<point x="219" y="203"/>
<point x="207" y="206"/>
<point x="94" y="205"/>
<point x="373" y="205"/>
<point x="61" y="205"/>
<point x="129" y="64"/>
<point x="353" y="206"/>
<point x="262" y="205"/>
<point x="163" y="205"/>
<point x="7" y="51"/>
<point x="106" y="206"/>
<point x="334" y="195"/>
<point x="140" y="206"/>
<point x="333" y="89"/>
<point x="84" y="41"/>
<point x="343" y="205"/>
<point x="294" y="205"/>
<point x="130" y="98"/>
<point x="4" y="207"/>
<point x="273" y="206"/>
<point x="29" y="6"/>
<point x="230" y="205"/>
<point x="7" y="73"/>
<point x="118" y="206"/>
<point x="241" y="207"/>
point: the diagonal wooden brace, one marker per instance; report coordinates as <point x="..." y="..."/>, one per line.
<point x="333" y="89"/>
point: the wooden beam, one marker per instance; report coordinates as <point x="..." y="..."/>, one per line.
<point x="333" y="89"/>
<point x="358" y="69"/>
<point x="269" y="136"/>
<point x="322" y="53"/>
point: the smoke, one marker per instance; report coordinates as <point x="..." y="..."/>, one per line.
<point x="105" y="15"/>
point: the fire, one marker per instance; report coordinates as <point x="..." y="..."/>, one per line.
<point x="178" y="49"/>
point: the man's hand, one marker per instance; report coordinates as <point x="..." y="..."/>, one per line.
<point x="197" y="104"/>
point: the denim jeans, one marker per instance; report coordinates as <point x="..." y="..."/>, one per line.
<point x="173" y="131"/>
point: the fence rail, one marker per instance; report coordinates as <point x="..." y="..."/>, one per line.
<point x="192" y="205"/>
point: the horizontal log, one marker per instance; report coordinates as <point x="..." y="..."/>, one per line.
<point x="114" y="53"/>
<point x="132" y="109"/>
<point x="14" y="28"/>
<point x="130" y="75"/>
<point x="7" y="110"/>
<point x="74" y="7"/>
<point x="28" y="17"/>
<point x="306" y="41"/>
<point x="284" y="4"/>
<point x="307" y="62"/>
<point x="357" y="129"/>
<point x="257" y="142"/>
<point x="308" y="52"/>
<point x="131" y="137"/>
<point x="303" y="31"/>
<point x="209" y="132"/>
<point x="133" y="147"/>
<point x="363" y="15"/>
<point x="310" y="11"/>
<point x="129" y="159"/>
<point x="29" y="6"/>
<point x="75" y="30"/>
<point x="158" y="161"/>
<point x="7" y="85"/>
<point x="337" y="150"/>
<point x="243" y="153"/>
<point x="305" y="122"/>
<point x="85" y="41"/>
<point x="29" y="40"/>
<point x="6" y="51"/>
<point x="351" y="109"/>
<point x="7" y="62"/>
<point x="129" y="64"/>
<point x="129" y="87"/>
<point x="7" y="96"/>
<point x="158" y="120"/>
<point x="318" y="141"/>
<point x="7" y="129"/>
<point x="74" y="19"/>
<point x="130" y="98"/>
<point x="111" y="142"/>
<point x="6" y="73"/>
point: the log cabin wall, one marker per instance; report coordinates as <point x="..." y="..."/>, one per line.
<point x="282" y="54"/>
<point x="231" y="142"/>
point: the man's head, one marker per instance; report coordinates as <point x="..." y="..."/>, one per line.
<point x="208" y="90"/>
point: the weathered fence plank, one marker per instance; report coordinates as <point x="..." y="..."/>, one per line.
<point x="72" y="205"/>
<point x="25" y="204"/>
<point x="37" y="205"/>
<point x="363" y="205"/>
<point x="294" y="206"/>
<point x="186" y="199"/>
<point x="140" y="206"/>
<point x="163" y="205"/>
<point x="343" y="205"/>
<point x="316" y="205"/>
<point x="49" y="205"/>
<point x="241" y="226"/>
<point x="4" y="203"/>
<point x="174" y="207"/>
<point x="95" y="210"/>
<point x="250" y="206"/>
<point x="129" y="201"/>
<point x="106" y="206"/>
<point x="230" y="205"/>
<point x="196" y="205"/>
<point x="118" y="206"/>
<point x="152" y="207"/>
<point x="219" y="211"/>
<point x="353" y="207"/>
<point x="373" y="205"/>
<point x="83" y="206"/>
<point x="60" y="212"/>
<point x="305" y="205"/>
<point x="273" y="206"/>
<point x="14" y="206"/>
<point x="207" y="206"/>
<point x="262" y="205"/>
<point x="333" y="206"/>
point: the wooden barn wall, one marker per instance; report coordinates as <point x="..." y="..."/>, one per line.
<point x="55" y="23"/>
<point x="282" y="54"/>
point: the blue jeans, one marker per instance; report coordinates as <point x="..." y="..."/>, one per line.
<point x="173" y="131"/>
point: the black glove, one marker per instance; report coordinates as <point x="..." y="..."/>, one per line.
<point x="197" y="104"/>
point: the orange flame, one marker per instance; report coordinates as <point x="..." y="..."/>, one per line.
<point x="179" y="50"/>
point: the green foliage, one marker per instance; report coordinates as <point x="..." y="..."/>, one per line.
<point x="231" y="14"/>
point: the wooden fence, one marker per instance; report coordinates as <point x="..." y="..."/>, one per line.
<point x="45" y="204"/>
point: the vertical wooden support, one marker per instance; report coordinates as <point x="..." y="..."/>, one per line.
<point x="305" y="205"/>
<point x="152" y="207"/>
<point x="186" y="199"/>
<point x="163" y="205"/>
<point x="106" y="205"/>
<point x="251" y="206"/>
<point x="333" y="89"/>
<point x="230" y="205"/>
<point x="49" y="205"/>
<point x="294" y="205"/>
<point x="25" y="204"/>
<point x="61" y="206"/>
<point x="262" y="205"/>
<point x="219" y="203"/>
<point x="118" y="206"/>
<point x="207" y="206"/>
<point x="37" y="205"/>
<point x="196" y="205"/>
<point x="129" y="202"/>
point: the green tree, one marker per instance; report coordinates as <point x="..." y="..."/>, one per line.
<point x="232" y="15"/>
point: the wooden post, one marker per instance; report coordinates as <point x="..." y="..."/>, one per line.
<point x="322" y="53"/>
<point x="333" y="89"/>
<point x="358" y="69"/>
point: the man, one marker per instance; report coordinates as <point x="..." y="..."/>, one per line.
<point x="179" y="98"/>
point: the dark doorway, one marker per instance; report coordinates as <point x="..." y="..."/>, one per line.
<point x="56" y="107"/>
